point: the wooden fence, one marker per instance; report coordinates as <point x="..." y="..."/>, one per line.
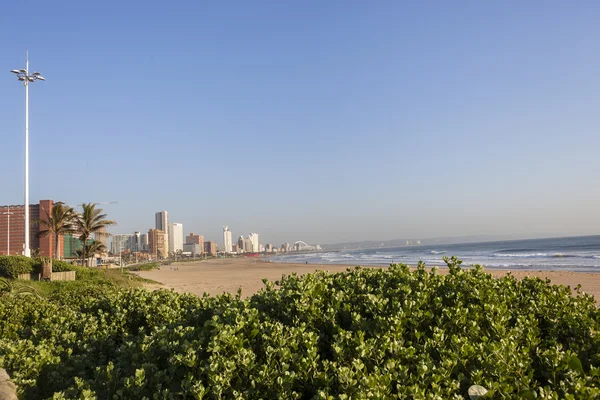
<point x="56" y="276"/>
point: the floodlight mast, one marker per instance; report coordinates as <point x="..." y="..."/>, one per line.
<point x="23" y="76"/>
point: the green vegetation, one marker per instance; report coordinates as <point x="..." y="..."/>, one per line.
<point x="144" y="267"/>
<point x="367" y="333"/>
<point x="90" y="222"/>
<point x="13" y="266"/>
<point x="60" y="221"/>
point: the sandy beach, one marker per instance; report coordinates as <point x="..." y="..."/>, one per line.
<point x="227" y="275"/>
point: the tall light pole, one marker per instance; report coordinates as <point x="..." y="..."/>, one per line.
<point x="8" y="214"/>
<point x="24" y="76"/>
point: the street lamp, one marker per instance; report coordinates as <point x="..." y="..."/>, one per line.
<point x="24" y="76"/>
<point x="8" y="214"/>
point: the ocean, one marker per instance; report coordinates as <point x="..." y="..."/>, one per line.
<point x="580" y="254"/>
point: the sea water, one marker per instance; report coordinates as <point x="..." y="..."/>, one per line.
<point x="571" y="253"/>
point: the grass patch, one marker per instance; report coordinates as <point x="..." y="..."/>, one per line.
<point x="143" y="267"/>
<point x="88" y="278"/>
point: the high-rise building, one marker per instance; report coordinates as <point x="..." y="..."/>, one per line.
<point x="210" y="247"/>
<point x="241" y="245"/>
<point x="248" y="245"/>
<point x="195" y="239"/>
<point x="269" y="248"/>
<point x="254" y="240"/>
<point x="193" y="249"/>
<point x="227" y="243"/>
<point x="121" y="243"/>
<point x="102" y="237"/>
<point x="144" y="244"/>
<point x="14" y="232"/>
<point x="175" y="237"/>
<point x="156" y="243"/>
<point x="138" y="242"/>
<point x="162" y="224"/>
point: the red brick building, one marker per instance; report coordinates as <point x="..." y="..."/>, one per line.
<point x="37" y="212"/>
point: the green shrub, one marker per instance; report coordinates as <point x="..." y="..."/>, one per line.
<point x="12" y="266"/>
<point x="144" y="267"/>
<point x="61" y="266"/>
<point x="367" y="333"/>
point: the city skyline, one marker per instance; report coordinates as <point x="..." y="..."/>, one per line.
<point x="381" y="121"/>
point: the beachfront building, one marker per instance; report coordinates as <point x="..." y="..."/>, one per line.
<point x="193" y="249"/>
<point x="156" y="243"/>
<point x="248" y="245"/>
<point x="269" y="248"/>
<point x="121" y="243"/>
<point x="255" y="246"/>
<point x="195" y="239"/>
<point x="161" y="219"/>
<point x="227" y="243"/>
<point x="175" y="237"/>
<point x="241" y="245"/>
<point x="12" y="229"/>
<point x="102" y="237"/>
<point x="144" y="245"/>
<point x="210" y="248"/>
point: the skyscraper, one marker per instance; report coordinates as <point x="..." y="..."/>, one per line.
<point x="254" y="240"/>
<point x="210" y="247"/>
<point x="175" y="237"/>
<point x="156" y="242"/>
<point x="162" y="224"/>
<point x="138" y="242"/>
<point x="144" y="242"/>
<point x="124" y="242"/>
<point x="240" y="245"/>
<point x="227" y="243"/>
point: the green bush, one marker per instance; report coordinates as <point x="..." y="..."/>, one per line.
<point x="144" y="267"/>
<point x="366" y="333"/>
<point x="12" y="266"/>
<point x="61" y="266"/>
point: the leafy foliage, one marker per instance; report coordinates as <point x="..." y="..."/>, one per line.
<point x="59" y="221"/>
<point x="13" y="266"/>
<point x="91" y="221"/>
<point x="16" y="289"/>
<point x="366" y="333"/>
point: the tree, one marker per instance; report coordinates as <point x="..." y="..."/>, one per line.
<point x="60" y="221"/>
<point x="91" y="221"/>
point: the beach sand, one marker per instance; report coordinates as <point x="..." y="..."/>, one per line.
<point x="227" y="275"/>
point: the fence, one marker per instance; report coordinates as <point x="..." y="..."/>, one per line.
<point x="56" y="276"/>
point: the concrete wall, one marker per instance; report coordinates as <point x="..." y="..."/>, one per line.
<point x="56" y="276"/>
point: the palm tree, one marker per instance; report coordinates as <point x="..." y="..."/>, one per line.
<point x="60" y="221"/>
<point x="91" y="221"/>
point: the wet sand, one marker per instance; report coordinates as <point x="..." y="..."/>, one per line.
<point x="228" y="275"/>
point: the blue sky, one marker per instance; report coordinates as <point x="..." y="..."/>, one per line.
<point x="325" y="121"/>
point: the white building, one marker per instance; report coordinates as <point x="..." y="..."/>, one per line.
<point x="227" y="243"/>
<point x="124" y="242"/>
<point x="162" y="223"/>
<point x="175" y="237"/>
<point x="254" y="240"/>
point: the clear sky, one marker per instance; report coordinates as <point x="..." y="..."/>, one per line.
<point x="322" y="121"/>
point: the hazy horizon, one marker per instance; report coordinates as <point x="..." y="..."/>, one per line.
<point x="326" y="122"/>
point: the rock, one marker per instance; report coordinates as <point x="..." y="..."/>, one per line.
<point x="8" y="390"/>
<point x="476" y="392"/>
